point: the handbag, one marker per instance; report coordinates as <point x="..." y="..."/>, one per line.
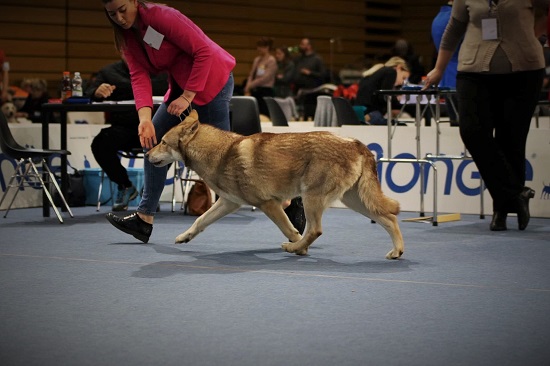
<point x="199" y="199"/>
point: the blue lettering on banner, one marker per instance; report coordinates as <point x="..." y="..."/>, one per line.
<point x="12" y="164"/>
<point x="449" y="164"/>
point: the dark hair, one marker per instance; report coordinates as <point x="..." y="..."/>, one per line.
<point x="265" y="42"/>
<point x="286" y="52"/>
<point x="120" y="42"/>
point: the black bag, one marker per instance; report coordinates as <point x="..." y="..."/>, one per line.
<point x="76" y="194"/>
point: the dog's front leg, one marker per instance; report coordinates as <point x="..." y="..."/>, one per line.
<point x="275" y="212"/>
<point x="219" y="209"/>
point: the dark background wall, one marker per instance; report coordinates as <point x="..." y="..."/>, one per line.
<point x="44" y="38"/>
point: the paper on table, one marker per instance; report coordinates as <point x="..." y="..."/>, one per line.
<point x="157" y="99"/>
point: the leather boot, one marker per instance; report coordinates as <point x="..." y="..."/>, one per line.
<point x="499" y="221"/>
<point x="522" y="202"/>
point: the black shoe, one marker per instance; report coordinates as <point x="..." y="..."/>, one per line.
<point x="133" y="225"/>
<point x="523" y="207"/>
<point x="296" y="215"/>
<point x="499" y="221"/>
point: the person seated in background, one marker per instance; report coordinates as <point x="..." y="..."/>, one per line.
<point x="386" y="76"/>
<point x="404" y="49"/>
<point x="261" y="79"/>
<point x="113" y="83"/>
<point x="38" y="95"/>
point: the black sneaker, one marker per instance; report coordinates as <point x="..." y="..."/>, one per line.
<point x="123" y="198"/>
<point x="133" y="225"/>
<point x="296" y="215"/>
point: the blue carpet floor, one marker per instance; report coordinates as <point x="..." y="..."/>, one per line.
<point x="82" y="293"/>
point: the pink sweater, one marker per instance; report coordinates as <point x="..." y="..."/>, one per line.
<point x="192" y="60"/>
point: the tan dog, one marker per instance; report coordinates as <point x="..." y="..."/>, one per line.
<point x="265" y="169"/>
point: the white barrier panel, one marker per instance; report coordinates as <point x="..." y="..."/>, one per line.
<point x="458" y="181"/>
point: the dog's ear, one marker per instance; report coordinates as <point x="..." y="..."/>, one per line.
<point x="194" y="127"/>
<point x="192" y="117"/>
<point x="188" y="131"/>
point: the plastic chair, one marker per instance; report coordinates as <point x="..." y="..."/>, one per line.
<point x="245" y="115"/>
<point x="276" y="113"/>
<point x="288" y="105"/>
<point x="345" y="114"/>
<point x="26" y="172"/>
<point x="325" y="114"/>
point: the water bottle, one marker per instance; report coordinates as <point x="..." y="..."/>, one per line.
<point x="77" y="85"/>
<point x="66" y="87"/>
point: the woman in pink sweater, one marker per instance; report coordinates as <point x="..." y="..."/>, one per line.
<point x="155" y="38"/>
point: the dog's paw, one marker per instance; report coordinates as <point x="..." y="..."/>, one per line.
<point x="292" y="248"/>
<point x="394" y="254"/>
<point x="184" y="238"/>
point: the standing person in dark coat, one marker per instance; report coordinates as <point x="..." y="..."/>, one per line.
<point x="309" y="73"/>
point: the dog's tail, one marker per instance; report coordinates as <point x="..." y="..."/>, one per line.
<point x="370" y="190"/>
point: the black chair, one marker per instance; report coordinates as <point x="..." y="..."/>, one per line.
<point x="344" y="112"/>
<point x="26" y="171"/>
<point x="276" y="113"/>
<point x="245" y="115"/>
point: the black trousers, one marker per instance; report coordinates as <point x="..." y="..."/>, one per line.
<point x="495" y="113"/>
<point x="105" y="147"/>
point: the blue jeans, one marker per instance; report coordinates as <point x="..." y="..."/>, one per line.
<point x="215" y="113"/>
<point x="377" y="119"/>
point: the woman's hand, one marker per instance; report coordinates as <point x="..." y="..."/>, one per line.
<point x="433" y="78"/>
<point x="179" y="105"/>
<point x="147" y="136"/>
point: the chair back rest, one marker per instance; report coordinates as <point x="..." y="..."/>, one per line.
<point x="8" y="144"/>
<point x="276" y="113"/>
<point x="344" y="112"/>
<point x="245" y="115"/>
<point x="325" y="115"/>
<point x="288" y="105"/>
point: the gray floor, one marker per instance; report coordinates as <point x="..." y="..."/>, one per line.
<point x="83" y="293"/>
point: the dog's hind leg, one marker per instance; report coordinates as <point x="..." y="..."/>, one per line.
<point x="379" y="214"/>
<point x="219" y="209"/>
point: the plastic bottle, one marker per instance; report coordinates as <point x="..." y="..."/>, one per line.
<point x="77" y="85"/>
<point x="66" y="87"/>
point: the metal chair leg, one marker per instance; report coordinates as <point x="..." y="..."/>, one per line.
<point x="48" y="194"/>
<point x="100" y="190"/>
<point x="176" y="177"/>
<point x="17" y="173"/>
<point x="56" y="185"/>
